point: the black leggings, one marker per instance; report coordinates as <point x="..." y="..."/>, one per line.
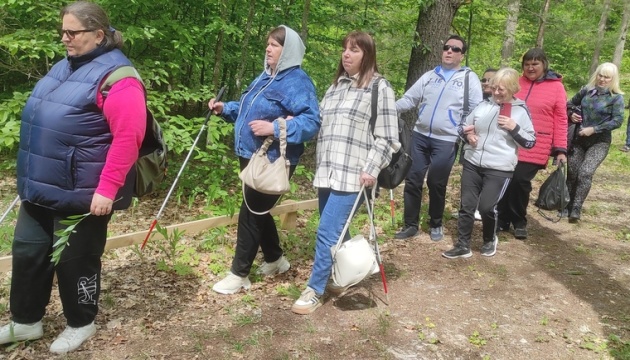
<point x="585" y="157"/>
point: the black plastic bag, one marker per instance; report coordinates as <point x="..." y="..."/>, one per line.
<point x="553" y="194"/>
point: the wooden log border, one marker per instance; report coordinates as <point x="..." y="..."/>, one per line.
<point x="287" y="211"/>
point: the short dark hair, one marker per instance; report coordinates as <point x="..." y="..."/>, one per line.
<point x="491" y="70"/>
<point x="536" y="54"/>
<point x="457" y="37"/>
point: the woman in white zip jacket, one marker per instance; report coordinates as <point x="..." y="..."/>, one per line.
<point x="492" y="134"/>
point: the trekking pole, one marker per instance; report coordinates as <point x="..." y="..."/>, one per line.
<point x="391" y="206"/>
<point x="170" y="191"/>
<point x="377" y="252"/>
<point x="6" y="213"/>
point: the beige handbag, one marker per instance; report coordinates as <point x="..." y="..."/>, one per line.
<point x="269" y="177"/>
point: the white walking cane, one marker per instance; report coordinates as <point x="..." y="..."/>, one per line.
<point x="6" y="213"/>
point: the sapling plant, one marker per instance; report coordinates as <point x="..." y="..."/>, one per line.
<point x="64" y="235"/>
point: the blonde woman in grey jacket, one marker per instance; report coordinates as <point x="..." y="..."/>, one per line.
<point x="492" y="133"/>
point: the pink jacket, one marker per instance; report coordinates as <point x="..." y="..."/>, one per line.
<point x="547" y="103"/>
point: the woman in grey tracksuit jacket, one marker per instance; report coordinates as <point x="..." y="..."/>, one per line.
<point x="491" y="154"/>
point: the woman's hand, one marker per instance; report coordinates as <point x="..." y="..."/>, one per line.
<point x="561" y="158"/>
<point x="261" y="127"/>
<point x="506" y="123"/>
<point x="101" y="205"/>
<point x="576" y="118"/>
<point x="367" y="180"/>
<point x="215" y="106"/>
<point x="472" y="139"/>
<point x="587" y="131"/>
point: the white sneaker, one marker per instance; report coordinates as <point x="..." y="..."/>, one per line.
<point x="477" y="215"/>
<point x="231" y="284"/>
<point x="308" y="302"/>
<point x="14" y="332"/>
<point x="71" y="338"/>
<point x="277" y="267"/>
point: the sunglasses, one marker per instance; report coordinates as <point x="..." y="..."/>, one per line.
<point x="72" y="33"/>
<point x="484" y="80"/>
<point x="456" y="49"/>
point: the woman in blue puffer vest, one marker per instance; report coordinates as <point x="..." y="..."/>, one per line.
<point x="283" y="90"/>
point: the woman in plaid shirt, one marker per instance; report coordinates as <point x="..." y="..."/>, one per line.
<point x="348" y="154"/>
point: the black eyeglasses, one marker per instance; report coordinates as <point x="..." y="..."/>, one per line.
<point x="72" y="33"/>
<point x="456" y="49"/>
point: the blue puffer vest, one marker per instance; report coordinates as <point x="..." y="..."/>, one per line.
<point x="64" y="138"/>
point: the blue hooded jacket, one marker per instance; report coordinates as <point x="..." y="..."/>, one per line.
<point x="287" y="92"/>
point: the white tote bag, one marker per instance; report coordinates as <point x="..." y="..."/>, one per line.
<point x="354" y="260"/>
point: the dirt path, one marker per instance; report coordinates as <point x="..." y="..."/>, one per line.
<point x="562" y="294"/>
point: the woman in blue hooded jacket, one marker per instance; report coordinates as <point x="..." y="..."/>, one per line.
<point x="282" y="90"/>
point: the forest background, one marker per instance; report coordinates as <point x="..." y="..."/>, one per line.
<point x="186" y="50"/>
<point x="563" y="294"/>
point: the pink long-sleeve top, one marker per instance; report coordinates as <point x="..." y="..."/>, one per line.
<point x="125" y="112"/>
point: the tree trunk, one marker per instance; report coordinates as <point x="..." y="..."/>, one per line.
<point x="218" y="54"/>
<point x="543" y="22"/>
<point x="601" y="28"/>
<point x="305" y="14"/>
<point x="507" y="50"/>
<point x="432" y="29"/>
<point x="247" y="32"/>
<point x="621" y="43"/>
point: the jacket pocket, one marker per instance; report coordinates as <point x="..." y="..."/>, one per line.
<point x="70" y="169"/>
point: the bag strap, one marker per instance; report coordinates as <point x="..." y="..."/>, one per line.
<point x="466" y="108"/>
<point x="117" y="75"/>
<point x="375" y="85"/>
<point x="370" y="206"/>
<point x="282" y="126"/>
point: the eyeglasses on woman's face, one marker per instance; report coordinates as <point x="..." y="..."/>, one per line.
<point x="71" y="34"/>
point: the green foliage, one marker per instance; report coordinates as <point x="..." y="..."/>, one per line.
<point x="64" y="235"/>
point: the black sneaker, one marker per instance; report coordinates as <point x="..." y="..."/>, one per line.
<point x="520" y="233"/>
<point x="406" y="232"/>
<point x="490" y="248"/>
<point x="457" y="252"/>
<point x="574" y="216"/>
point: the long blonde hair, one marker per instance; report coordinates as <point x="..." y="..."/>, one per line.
<point x="607" y="69"/>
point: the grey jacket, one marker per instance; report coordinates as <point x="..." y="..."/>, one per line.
<point x="497" y="148"/>
<point x="440" y="103"/>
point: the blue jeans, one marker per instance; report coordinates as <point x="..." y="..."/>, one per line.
<point x="334" y="211"/>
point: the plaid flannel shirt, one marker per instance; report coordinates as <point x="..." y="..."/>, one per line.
<point x="345" y="144"/>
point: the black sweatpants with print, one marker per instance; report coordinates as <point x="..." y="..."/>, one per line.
<point x="78" y="271"/>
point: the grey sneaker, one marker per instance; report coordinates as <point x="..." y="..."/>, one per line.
<point x="71" y="338"/>
<point x="625" y="148"/>
<point x="277" y="267"/>
<point x="457" y="252"/>
<point x="520" y="233"/>
<point x="232" y="284"/>
<point x="490" y="248"/>
<point x="335" y="289"/>
<point x="437" y="233"/>
<point x="406" y="232"/>
<point x="14" y="332"/>
<point x="308" y="302"/>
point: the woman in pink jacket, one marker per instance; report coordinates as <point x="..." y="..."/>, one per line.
<point x="544" y="94"/>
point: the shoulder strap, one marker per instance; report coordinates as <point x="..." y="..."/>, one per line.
<point x="117" y="75"/>
<point x="466" y="100"/>
<point x="374" y="102"/>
